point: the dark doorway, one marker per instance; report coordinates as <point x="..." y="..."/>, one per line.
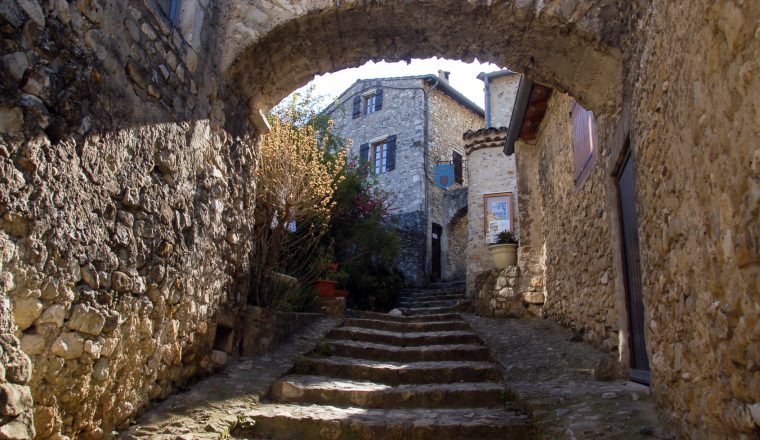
<point x="436" y="245"/>
<point x="632" y="272"/>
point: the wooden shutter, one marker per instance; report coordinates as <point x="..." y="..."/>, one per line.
<point x="357" y="106"/>
<point x="379" y="99"/>
<point x="456" y="159"/>
<point x="584" y="128"/>
<point x="390" y="161"/>
<point x="364" y="153"/>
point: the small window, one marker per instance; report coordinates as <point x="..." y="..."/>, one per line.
<point x="370" y="104"/>
<point x="584" y="141"/>
<point x="456" y="160"/>
<point x="381" y="156"/>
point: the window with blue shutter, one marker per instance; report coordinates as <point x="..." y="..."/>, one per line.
<point x="390" y="163"/>
<point x="364" y="153"/>
<point x="357" y="106"/>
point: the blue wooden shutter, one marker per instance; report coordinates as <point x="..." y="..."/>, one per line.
<point x="390" y="161"/>
<point x="379" y="99"/>
<point x="357" y="106"/>
<point x="364" y="153"/>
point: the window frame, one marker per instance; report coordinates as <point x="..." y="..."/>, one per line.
<point x="366" y="100"/>
<point x="383" y="149"/>
<point x="589" y="142"/>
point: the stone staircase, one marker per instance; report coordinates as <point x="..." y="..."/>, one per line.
<point x="379" y="376"/>
<point x="439" y="298"/>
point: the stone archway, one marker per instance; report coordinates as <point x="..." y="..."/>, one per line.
<point x="571" y="46"/>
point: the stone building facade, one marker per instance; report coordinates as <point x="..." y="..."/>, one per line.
<point x="490" y="171"/>
<point x="403" y="127"/>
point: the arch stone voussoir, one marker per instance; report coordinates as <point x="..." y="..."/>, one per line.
<point x="271" y="48"/>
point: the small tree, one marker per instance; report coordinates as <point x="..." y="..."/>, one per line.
<point x="294" y="200"/>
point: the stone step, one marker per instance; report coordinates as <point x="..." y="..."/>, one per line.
<point x="407" y="326"/>
<point x="428" y="303"/>
<point x="432" y="293"/>
<point x="407" y="299"/>
<point x="338" y="392"/>
<point x="426" y="311"/>
<point x="423" y="353"/>
<point x="430" y="317"/>
<point x="405" y="338"/>
<point x="284" y="421"/>
<point x="397" y="373"/>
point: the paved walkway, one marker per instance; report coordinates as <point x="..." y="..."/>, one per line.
<point x="213" y="407"/>
<point x="552" y="378"/>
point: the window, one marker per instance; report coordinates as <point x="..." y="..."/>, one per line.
<point x="584" y="141"/>
<point x="171" y="9"/>
<point x="368" y="103"/>
<point x="456" y="160"/>
<point x="381" y="155"/>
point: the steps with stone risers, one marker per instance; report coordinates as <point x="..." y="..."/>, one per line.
<point x="396" y="373"/>
<point x="424" y="318"/>
<point x="425" y="311"/>
<point x="330" y="391"/>
<point x="285" y="421"/>
<point x="421" y="353"/>
<point x="421" y="377"/>
<point x="428" y="303"/>
<point x="405" y="339"/>
<point x="406" y="327"/>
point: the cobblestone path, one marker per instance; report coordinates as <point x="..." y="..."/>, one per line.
<point x="379" y="376"/>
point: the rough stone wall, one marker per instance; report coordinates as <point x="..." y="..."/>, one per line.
<point x="503" y="94"/>
<point x="124" y="206"/>
<point x="531" y="253"/>
<point x="694" y="90"/>
<point x="490" y="172"/>
<point x="580" y="269"/>
<point x="456" y="248"/>
<point x="448" y="120"/>
<point x="402" y="115"/>
<point x="16" y="406"/>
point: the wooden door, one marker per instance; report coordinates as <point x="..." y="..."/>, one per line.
<point x="436" y="254"/>
<point x="632" y="272"/>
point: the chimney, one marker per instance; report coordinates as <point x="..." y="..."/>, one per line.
<point x="444" y="75"/>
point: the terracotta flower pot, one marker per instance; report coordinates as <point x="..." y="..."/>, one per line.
<point x="325" y="288"/>
<point x="503" y="255"/>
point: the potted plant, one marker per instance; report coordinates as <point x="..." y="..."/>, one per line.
<point x="325" y="288"/>
<point x="340" y="277"/>
<point x="504" y="251"/>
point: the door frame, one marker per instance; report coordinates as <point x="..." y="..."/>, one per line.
<point x="622" y="142"/>
<point x="435" y="228"/>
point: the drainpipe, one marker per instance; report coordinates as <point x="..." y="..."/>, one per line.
<point x="426" y="148"/>
<point x="486" y="79"/>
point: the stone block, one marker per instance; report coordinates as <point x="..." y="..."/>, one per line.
<point x="14" y="399"/>
<point x="219" y="357"/>
<point x="533" y="297"/>
<point x="52" y="315"/>
<point x="86" y="320"/>
<point x="15" y="64"/>
<point x="68" y="346"/>
<point x="26" y="311"/>
<point x="32" y="344"/>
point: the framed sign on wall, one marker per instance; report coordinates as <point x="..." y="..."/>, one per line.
<point x="497" y="215"/>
